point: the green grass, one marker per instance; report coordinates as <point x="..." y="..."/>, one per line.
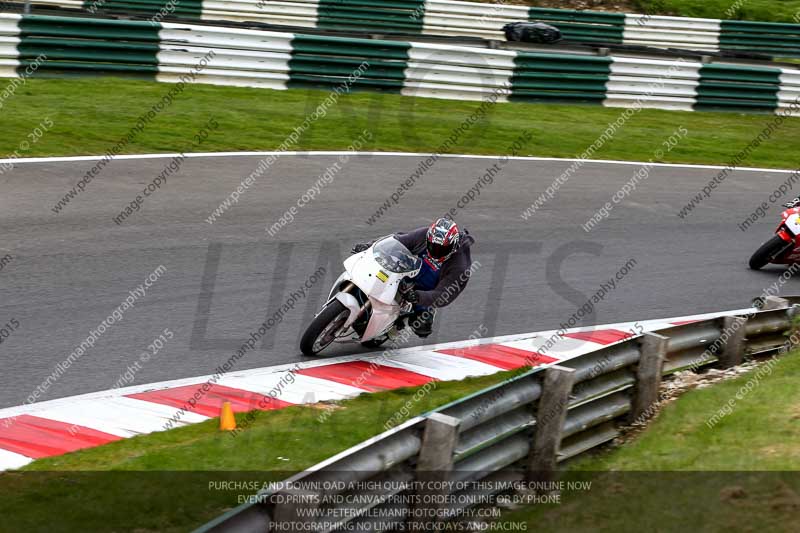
<point x="91" y="115"/>
<point x="756" y="10"/>
<point x="160" y="482"/>
<point x="760" y="10"/>
<point x="681" y="475"/>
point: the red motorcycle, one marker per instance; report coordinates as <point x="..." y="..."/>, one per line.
<point x="784" y="247"/>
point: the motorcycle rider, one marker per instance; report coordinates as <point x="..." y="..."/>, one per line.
<point x="446" y="259"/>
<point x="793" y="203"/>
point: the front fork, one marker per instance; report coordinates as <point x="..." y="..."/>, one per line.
<point x="788" y="238"/>
<point x="346" y="294"/>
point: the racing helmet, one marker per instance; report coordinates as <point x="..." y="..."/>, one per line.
<point x="442" y="239"/>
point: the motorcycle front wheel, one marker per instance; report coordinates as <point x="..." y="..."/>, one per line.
<point x="323" y="329"/>
<point x="766" y="252"/>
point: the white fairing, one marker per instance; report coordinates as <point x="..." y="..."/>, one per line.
<point x="363" y="271"/>
<point x="382" y="320"/>
<point x="379" y="282"/>
<point x="793" y="223"/>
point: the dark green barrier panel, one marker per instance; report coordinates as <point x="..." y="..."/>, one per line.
<point x="728" y="87"/>
<point x="760" y="28"/>
<point x="781" y="40"/>
<point x="326" y="62"/>
<point x="147" y="8"/>
<point x="74" y="46"/>
<point x="582" y="26"/>
<point x="385" y="16"/>
<point x="559" y="78"/>
<point x="89" y="50"/>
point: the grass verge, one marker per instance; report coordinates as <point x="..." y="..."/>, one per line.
<point x="164" y="481"/>
<point x="90" y="115"/>
<point x="756" y="10"/>
<point x="683" y="474"/>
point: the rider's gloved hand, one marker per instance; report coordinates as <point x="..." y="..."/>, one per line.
<point x="407" y="291"/>
<point x="411" y="296"/>
<point x="360" y="247"/>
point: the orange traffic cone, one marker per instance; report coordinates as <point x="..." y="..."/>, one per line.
<point x="227" y="422"/>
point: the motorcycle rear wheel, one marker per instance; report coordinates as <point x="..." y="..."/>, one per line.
<point x="766" y="252"/>
<point x="323" y="329"/>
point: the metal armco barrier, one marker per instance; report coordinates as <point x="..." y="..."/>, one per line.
<point x="80" y="46"/>
<point x="523" y="428"/>
<point x="468" y="19"/>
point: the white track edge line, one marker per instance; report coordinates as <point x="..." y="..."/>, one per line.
<point x="58" y="159"/>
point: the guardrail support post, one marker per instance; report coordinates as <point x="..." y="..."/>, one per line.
<point x="434" y="464"/>
<point x="653" y="352"/>
<point x="288" y="502"/>
<point x="550" y="417"/>
<point x="774" y="302"/>
<point x="732" y="353"/>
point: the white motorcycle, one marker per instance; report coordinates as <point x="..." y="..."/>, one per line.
<point x="365" y="304"/>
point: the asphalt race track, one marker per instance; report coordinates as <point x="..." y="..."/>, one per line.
<point x="70" y="270"/>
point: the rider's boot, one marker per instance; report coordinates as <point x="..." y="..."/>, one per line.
<point x="422" y="322"/>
